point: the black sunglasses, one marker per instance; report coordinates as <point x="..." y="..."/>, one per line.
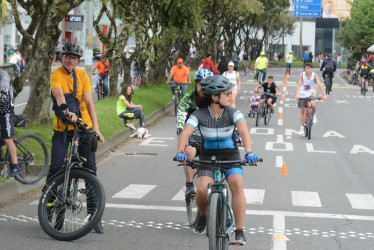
<point x="228" y="93"/>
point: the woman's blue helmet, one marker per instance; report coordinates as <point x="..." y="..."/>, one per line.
<point x="202" y="74"/>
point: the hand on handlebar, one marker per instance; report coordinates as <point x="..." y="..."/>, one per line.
<point x="251" y="157"/>
<point x="181" y="157"/>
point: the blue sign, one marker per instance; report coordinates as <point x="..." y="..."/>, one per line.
<point x="307" y="8"/>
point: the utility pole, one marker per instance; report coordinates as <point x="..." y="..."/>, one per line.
<point x="301" y="38"/>
<point x="89" y="32"/>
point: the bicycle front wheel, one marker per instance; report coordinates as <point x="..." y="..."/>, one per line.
<point x="306" y="124"/>
<point x="33" y="158"/>
<point x="69" y="220"/>
<point x="268" y="115"/>
<point x="310" y="127"/>
<point x="328" y="85"/>
<point x="217" y="223"/>
<point x="100" y="92"/>
<point x="193" y="214"/>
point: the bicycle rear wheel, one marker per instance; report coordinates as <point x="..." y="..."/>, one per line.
<point x="70" y="221"/>
<point x="193" y="214"/>
<point x="177" y="101"/>
<point x="306" y="124"/>
<point x="100" y="91"/>
<point x="217" y="223"/>
<point x="260" y="112"/>
<point x="328" y="84"/>
<point x="268" y="115"/>
<point x="33" y="158"/>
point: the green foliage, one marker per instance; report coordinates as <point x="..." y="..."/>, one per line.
<point x="357" y="32"/>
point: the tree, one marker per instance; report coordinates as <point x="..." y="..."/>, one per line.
<point x="38" y="47"/>
<point x="357" y="32"/>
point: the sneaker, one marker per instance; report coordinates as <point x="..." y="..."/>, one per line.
<point x="249" y="114"/>
<point x="190" y="190"/>
<point x="130" y="125"/>
<point x="302" y="131"/>
<point x="15" y="171"/>
<point x="173" y="98"/>
<point x="239" y="238"/>
<point x="99" y="228"/>
<point x="201" y="224"/>
<point x="314" y="118"/>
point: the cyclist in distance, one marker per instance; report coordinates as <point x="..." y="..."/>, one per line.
<point x="62" y="82"/>
<point x="305" y="88"/>
<point x="103" y="68"/>
<point x="234" y="77"/>
<point x="185" y="109"/>
<point x="181" y="75"/>
<point x="364" y="70"/>
<point x="261" y="64"/>
<point x="269" y="87"/>
<point x="7" y="120"/>
<point x="329" y="67"/>
<point x="246" y="59"/>
<point x="216" y="120"/>
<point x="289" y="60"/>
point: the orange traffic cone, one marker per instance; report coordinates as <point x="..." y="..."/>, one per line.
<point x="284" y="169"/>
<point x="284" y="83"/>
<point x="283" y="97"/>
<point x="280" y="116"/>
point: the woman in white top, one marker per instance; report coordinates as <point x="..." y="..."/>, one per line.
<point x="305" y="88"/>
<point x="233" y="77"/>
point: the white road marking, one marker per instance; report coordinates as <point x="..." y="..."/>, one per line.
<point x="305" y="199"/>
<point x="278" y="161"/>
<point x="254" y="196"/>
<point x="361" y="201"/>
<point x="20" y="104"/>
<point x="310" y="149"/>
<point x="134" y="191"/>
<point x="279" y="227"/>
<point x="156" y="141"/>
<point x="179" y="196"/>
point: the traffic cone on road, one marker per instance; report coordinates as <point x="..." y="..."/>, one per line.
<point x="284" y="169"/>
<point x="285" y="83"/>
<point x="283" y="97"/>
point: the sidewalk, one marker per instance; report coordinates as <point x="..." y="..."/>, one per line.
<point x="11" y="188"/>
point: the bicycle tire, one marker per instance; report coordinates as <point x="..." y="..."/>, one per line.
<point x="310" y="125"/>
<point x="267" y="115"/>
<point x="216" y="223"/>
<point x="77" y="221"/>
<point x="33" y="158"/>
<point x="100" y="92"/>
<point x="258" y="118"/>
<point x="193" y="214"/>
<point x="306" y="124"/>
<point x="328" y="85"/>
<point x="177" y="100"/>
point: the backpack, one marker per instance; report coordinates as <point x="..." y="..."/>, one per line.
<point x="73" y="105"/>
<point x="306" y="57"/>
<point x="329" y="65"/>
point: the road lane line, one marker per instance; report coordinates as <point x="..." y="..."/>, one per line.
<point x="180" y="196"/>
<point x="278" y="161"/>
<point x="254" y="196"/>
<point x="361" y="201"/>
<point x="305" y="199"/>
<point x="279" y="227"/>
<point x="134" y="191"/>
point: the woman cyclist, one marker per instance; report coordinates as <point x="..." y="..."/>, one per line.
<point x="216" y="120"/>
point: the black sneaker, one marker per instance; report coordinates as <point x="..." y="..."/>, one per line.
<point x="201" y="224"/>
<point x="190" y="190"/>
<point x="239" y="238"/>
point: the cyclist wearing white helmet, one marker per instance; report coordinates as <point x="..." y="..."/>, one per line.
<point x="216" y="120"/>
<point x="185" y="109"/>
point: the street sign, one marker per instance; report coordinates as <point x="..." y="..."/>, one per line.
<point x="307" y="8"/>
<point x="88" y="57"/>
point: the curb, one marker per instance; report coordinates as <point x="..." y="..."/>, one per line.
<point x="11" y="188"/>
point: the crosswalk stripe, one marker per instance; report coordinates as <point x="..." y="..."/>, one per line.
<point x="361" y="201"/>
<point x="305" y="199"/>
<point x="134" y="191"/>
<point x="254" y="196"/>
<point x="179" y="196"/>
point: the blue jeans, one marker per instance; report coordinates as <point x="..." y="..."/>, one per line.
<point x="174" y="85"/>
<point x="288" y="67"/>
<point x="59" y="149"/>
<point x="105" y="81"/>
<point x="137" y="115"/>
<point x="263" y="74"/>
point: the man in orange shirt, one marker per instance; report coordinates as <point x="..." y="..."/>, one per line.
<point x="103" y="68"/>
<point x="181" y="76"/>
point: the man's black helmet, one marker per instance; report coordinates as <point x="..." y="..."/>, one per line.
<point x="215" y="85"/>
<point x="71" y="48"/>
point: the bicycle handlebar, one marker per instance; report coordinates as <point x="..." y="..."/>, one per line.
<point x="266" y="93"/>
<point x="196" y="163"/>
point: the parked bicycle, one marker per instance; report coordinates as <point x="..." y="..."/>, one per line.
<point x="177" y="98"/>
<point x="32" y="155"/>
<point x="264" y="111"/>
<point x="308" y="121"/>
<point x="220" y="218"/>
<point x="61" y="210"/>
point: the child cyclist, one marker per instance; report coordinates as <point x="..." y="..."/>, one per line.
<point x="305" y="88"/>
<point x="254" y="103"/>
<point x="216" y="120"/>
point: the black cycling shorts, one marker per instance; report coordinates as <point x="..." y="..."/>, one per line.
<point x="273" y="98"/>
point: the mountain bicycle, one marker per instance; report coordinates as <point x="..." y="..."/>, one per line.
<point x="363" y="85"/>
<point x="177" y="98"/>
<point x="220" y="217"/>
<point x="328" y="83"/>
<point x="308" y="117"/>
<point x="32" y="156"/>
<point x="264" y="111"/>
<point x="61" y="210"/>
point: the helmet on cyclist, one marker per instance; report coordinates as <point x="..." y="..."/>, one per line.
<point x="363" y="60"/>
<point x="262" y="53"/>
<point x="215" y="85"/>
<point x="202" y="74"/>
<point x="71" y="48"/>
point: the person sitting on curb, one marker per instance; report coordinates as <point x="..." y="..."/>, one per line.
<point x="125" y="106"/>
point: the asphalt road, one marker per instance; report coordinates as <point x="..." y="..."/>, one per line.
<point x="325" y="202"/>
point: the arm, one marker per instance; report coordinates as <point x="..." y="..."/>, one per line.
<point x="320" y="87"/>
<point x="92" y="113"/>
<point x="186" y="133"/>
<point x="60" y="98"/>
<point x="276" y="91"/>
<point x="298" y="86"/>
<point x="130" y="105"/>
<point x="169" y="77"/>
<point x="238" y="81"/>
<point x="258" y="87"/>
<point x="246" y="138"/>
